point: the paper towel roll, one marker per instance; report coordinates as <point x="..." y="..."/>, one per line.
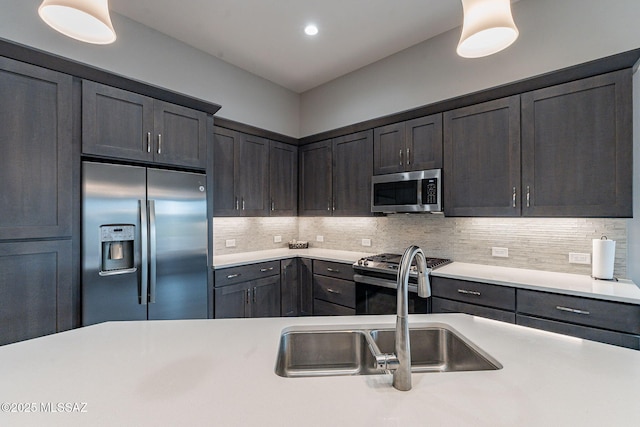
<point x="604" y="255"/>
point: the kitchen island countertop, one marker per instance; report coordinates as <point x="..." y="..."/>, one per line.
<point x="221" y="372"/>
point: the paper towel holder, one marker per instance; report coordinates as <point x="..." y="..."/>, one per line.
<point x="613" y="278"/>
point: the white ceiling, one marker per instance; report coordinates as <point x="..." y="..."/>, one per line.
<point x="265" y="37"/>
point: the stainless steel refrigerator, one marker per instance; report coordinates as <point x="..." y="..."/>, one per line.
<point x="144" y="244"/>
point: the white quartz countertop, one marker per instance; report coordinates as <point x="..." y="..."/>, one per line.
<point x="564" y="283"/>
<point x="221" y="373"/>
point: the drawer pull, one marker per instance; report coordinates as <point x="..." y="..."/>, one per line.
<point x="466" y="292"/>
<point x="233" y="276"/>
<point x="264" y="270"/>
<point x="333" y="270"/>
<point x="331" y="291"/>
<point x="572" y="310"/>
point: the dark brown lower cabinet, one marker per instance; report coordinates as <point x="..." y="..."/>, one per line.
<point x="296" y="287"/>
<point x="333" y="293"/>
<point x="35" y="289"/>
<point x="255" y="298"/>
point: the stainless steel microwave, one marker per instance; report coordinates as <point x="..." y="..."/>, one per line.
<point x="419" y="191"/>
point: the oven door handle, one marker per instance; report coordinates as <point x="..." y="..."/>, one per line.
<point x="383" y="283"/>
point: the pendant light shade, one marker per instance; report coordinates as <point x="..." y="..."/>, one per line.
<point x="488" y="28"/>
<point x="84" y="20"/>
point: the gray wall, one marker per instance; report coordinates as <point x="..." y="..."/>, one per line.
<point x="554" y="34"/>
<point x="144" y="54"/>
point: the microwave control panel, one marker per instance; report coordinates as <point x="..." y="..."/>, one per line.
<point x="430" y="191"/>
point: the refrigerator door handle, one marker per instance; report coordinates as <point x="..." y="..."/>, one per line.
<point x="144" y="252"/>
<point x="152" y="251"/>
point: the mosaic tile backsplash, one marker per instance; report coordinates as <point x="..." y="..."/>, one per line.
<point x="540" y="243"/>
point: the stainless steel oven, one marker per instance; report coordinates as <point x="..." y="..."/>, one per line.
<point x="418" y="191"/>
<point x="376" y="284"/>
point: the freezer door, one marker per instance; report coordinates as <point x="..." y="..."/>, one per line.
<point x="111" y="197"/>
<point x="178" y="245"/>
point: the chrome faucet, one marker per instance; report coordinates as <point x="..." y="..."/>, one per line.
<point x="402" y="373"/>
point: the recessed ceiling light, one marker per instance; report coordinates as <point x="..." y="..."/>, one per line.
<point x="311" y="30"/>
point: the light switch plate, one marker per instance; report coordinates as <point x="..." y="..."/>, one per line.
<point x="230" y="243"/>
<point x="277" y="239"/>
<point x="319" y="238"/>
<point x="366" y="242"/>
<point x="500" y="252"/>
<point x="579" y="258"/>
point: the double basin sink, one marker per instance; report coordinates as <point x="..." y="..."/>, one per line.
<point x="436" y="347"/>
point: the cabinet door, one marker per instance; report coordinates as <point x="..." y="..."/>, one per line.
<point x="232" y="301"/>
<point x="35" y="139"/>
<point x="180" y="135"/>
<point x="482" y="159"/>
<point x="35" y="289"/>
<point x="352" y="170"/>
<point x="305" y="279"/>
<point x="116" y="123"/>
<point x="424" y="143"/>
<point x="266" y="297"/>
<point x="224" y="195"/>
<point x="315" y="179"/>
<point x="389" y="149"/>
<point x="283" y="179"/>
<point x="290" y="287"/>
<point x="252" y="175"/>
<point x="577" y="148"/>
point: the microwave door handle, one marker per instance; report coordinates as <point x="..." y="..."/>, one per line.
<point x="144" y="252"/>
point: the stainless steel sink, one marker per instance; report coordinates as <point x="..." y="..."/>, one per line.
<point x="328" y="352"/>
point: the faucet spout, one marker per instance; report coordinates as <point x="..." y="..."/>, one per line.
<point x="402" y="375"/>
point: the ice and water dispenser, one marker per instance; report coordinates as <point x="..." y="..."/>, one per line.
<point x="117" y="246"/>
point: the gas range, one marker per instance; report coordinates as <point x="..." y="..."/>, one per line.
<point x="389" y="263"/>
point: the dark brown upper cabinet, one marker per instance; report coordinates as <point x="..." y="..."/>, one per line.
<point x="283" y="179"/>
<point x="408" y="146"/>
<point x="482" y="159"/>
<point x="36" y="144"/>
<point x="121" y="124"/>
<point x="241" y="174"/>
<point x="335" y="176"/>
<point x="577" y="148"/>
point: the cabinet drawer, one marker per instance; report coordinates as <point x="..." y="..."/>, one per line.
<point x="585" y="332"/>
<point x="243" y="273"/>
<point x="337" y="291"/>
<point x="323" y="308"/>
<point x="495" y="296"/>
<point x="440" y="305"/>
<point x="583" y="311"/>
<point x="333" y="269"/>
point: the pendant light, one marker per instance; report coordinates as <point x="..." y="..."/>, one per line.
<point x="84" y="20"/>
<point x="488" y="28"/>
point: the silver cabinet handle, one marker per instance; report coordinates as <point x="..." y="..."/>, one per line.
<point x="408" y="157"/>
<point x="148" y="142"/>
<point x="144" y="252"/>
<point x="334" y="203"/>
<point x="572" y="310"/>
<point x="466" y="292"/>
<point x="254" y="294"/>
<point x="159" y="143"/>
<point x="400" y="157"/>
<point x="233" y="276"/>
<point x="237" y="205"/>
<point x="273" y="206"/>
<point x="264" y="270"/>
<point x="331" y="291"/>
<point x="528" y="196"/>
<point x="246" y="296"/>
<point x="514" y="197"/>
<point x="243" y="203"/>
<point x="152" y="251"/>
<point x="333" y="270"/>
<point x="329" y="204"/>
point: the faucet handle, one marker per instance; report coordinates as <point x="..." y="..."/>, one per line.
<point x="387" y="362"/>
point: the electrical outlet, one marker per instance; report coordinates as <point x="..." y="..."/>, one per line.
<point x="366" y="242"/>
<point x="319" y="238"/>
<point x="579" y="258"/>
<point x="277" y="239"/>
<point x="500" y="252"/>
<point x="231" y="243"/>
